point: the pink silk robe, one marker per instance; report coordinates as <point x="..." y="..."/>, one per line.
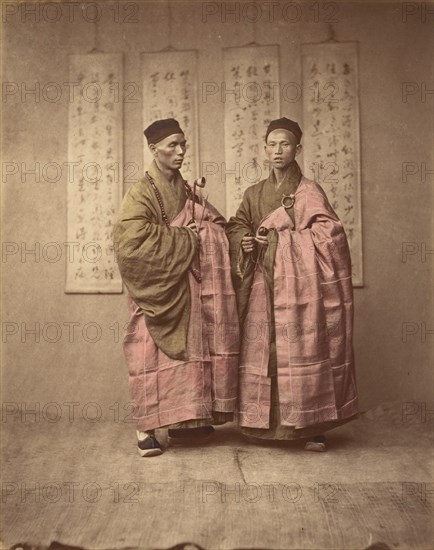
<point x="313" y="316"/>
<point x="166" y="390"/>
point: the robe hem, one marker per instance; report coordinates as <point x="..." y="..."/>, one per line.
<point x="198" y="412"/>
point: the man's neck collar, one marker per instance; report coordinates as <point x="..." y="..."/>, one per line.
<point x="292" y="175"/>
<point x="171" y="176"/>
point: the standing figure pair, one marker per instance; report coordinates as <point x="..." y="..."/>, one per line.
<point x="291" y="271"/>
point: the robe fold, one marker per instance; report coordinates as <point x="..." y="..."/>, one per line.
<point x="182" y="341"/>
<point x="296" y="310"/>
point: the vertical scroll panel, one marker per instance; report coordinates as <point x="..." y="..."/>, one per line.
<point x="170" y="91"/>
<point x="331" y="140"/>
<point x="94" y="186"/>
<point x="251" y="101"/>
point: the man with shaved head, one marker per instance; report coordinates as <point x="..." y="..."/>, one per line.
<point x="291" y="269"/>
<point x="181" y="344"/>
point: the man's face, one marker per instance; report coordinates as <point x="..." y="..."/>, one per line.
<point x="281" y="148"/>
<point x="170" y="151"/>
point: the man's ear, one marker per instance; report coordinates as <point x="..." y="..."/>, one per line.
<point x="298" y="149"/>
<point x="153" y="149"/>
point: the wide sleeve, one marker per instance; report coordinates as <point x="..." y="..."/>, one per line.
<point x="238" y="227"/>
<point x="242" y="264"/>
<point x="321" y="232"/>
<point x="153" y="260"/>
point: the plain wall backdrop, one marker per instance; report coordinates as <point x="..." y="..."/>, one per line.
<point x="393" y="309"/>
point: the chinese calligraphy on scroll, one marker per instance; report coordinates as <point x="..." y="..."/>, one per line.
<point x="251" y="101"/>
<point x="331" y="134"/>
<point x="170" y="91"/>
<point x="94" y="186"/>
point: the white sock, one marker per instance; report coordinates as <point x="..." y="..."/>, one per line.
<point x="142" y="436"/>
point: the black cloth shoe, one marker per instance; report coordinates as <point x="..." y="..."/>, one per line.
<point x="148" y="445"/>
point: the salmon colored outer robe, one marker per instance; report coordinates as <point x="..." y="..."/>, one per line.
<point x="313" y="314"/>
<point x="167" y="390"/>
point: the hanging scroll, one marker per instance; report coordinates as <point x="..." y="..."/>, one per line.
<point x="95" y="174"/>
<point x="331" y="140"/>
<point x="251" y="102"/>
<point x="170" y="91"/>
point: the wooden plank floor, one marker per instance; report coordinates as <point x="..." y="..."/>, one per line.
<point x="82" y="484"/>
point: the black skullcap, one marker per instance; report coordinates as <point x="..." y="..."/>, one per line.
<point x="285" y="124"/>
<point x="161" y="129"/>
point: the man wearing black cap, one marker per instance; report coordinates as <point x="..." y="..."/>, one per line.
<point x="291" y="269"/>
<point x="181" y="344"/>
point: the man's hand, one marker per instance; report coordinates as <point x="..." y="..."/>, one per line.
<point x="261" y="240"/>
<point x="261" y="236"/>
<point x="192" y="225"/>
<point x="248" y="243"/>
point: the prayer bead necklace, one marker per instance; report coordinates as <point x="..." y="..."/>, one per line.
<point x="159" y="199"/>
